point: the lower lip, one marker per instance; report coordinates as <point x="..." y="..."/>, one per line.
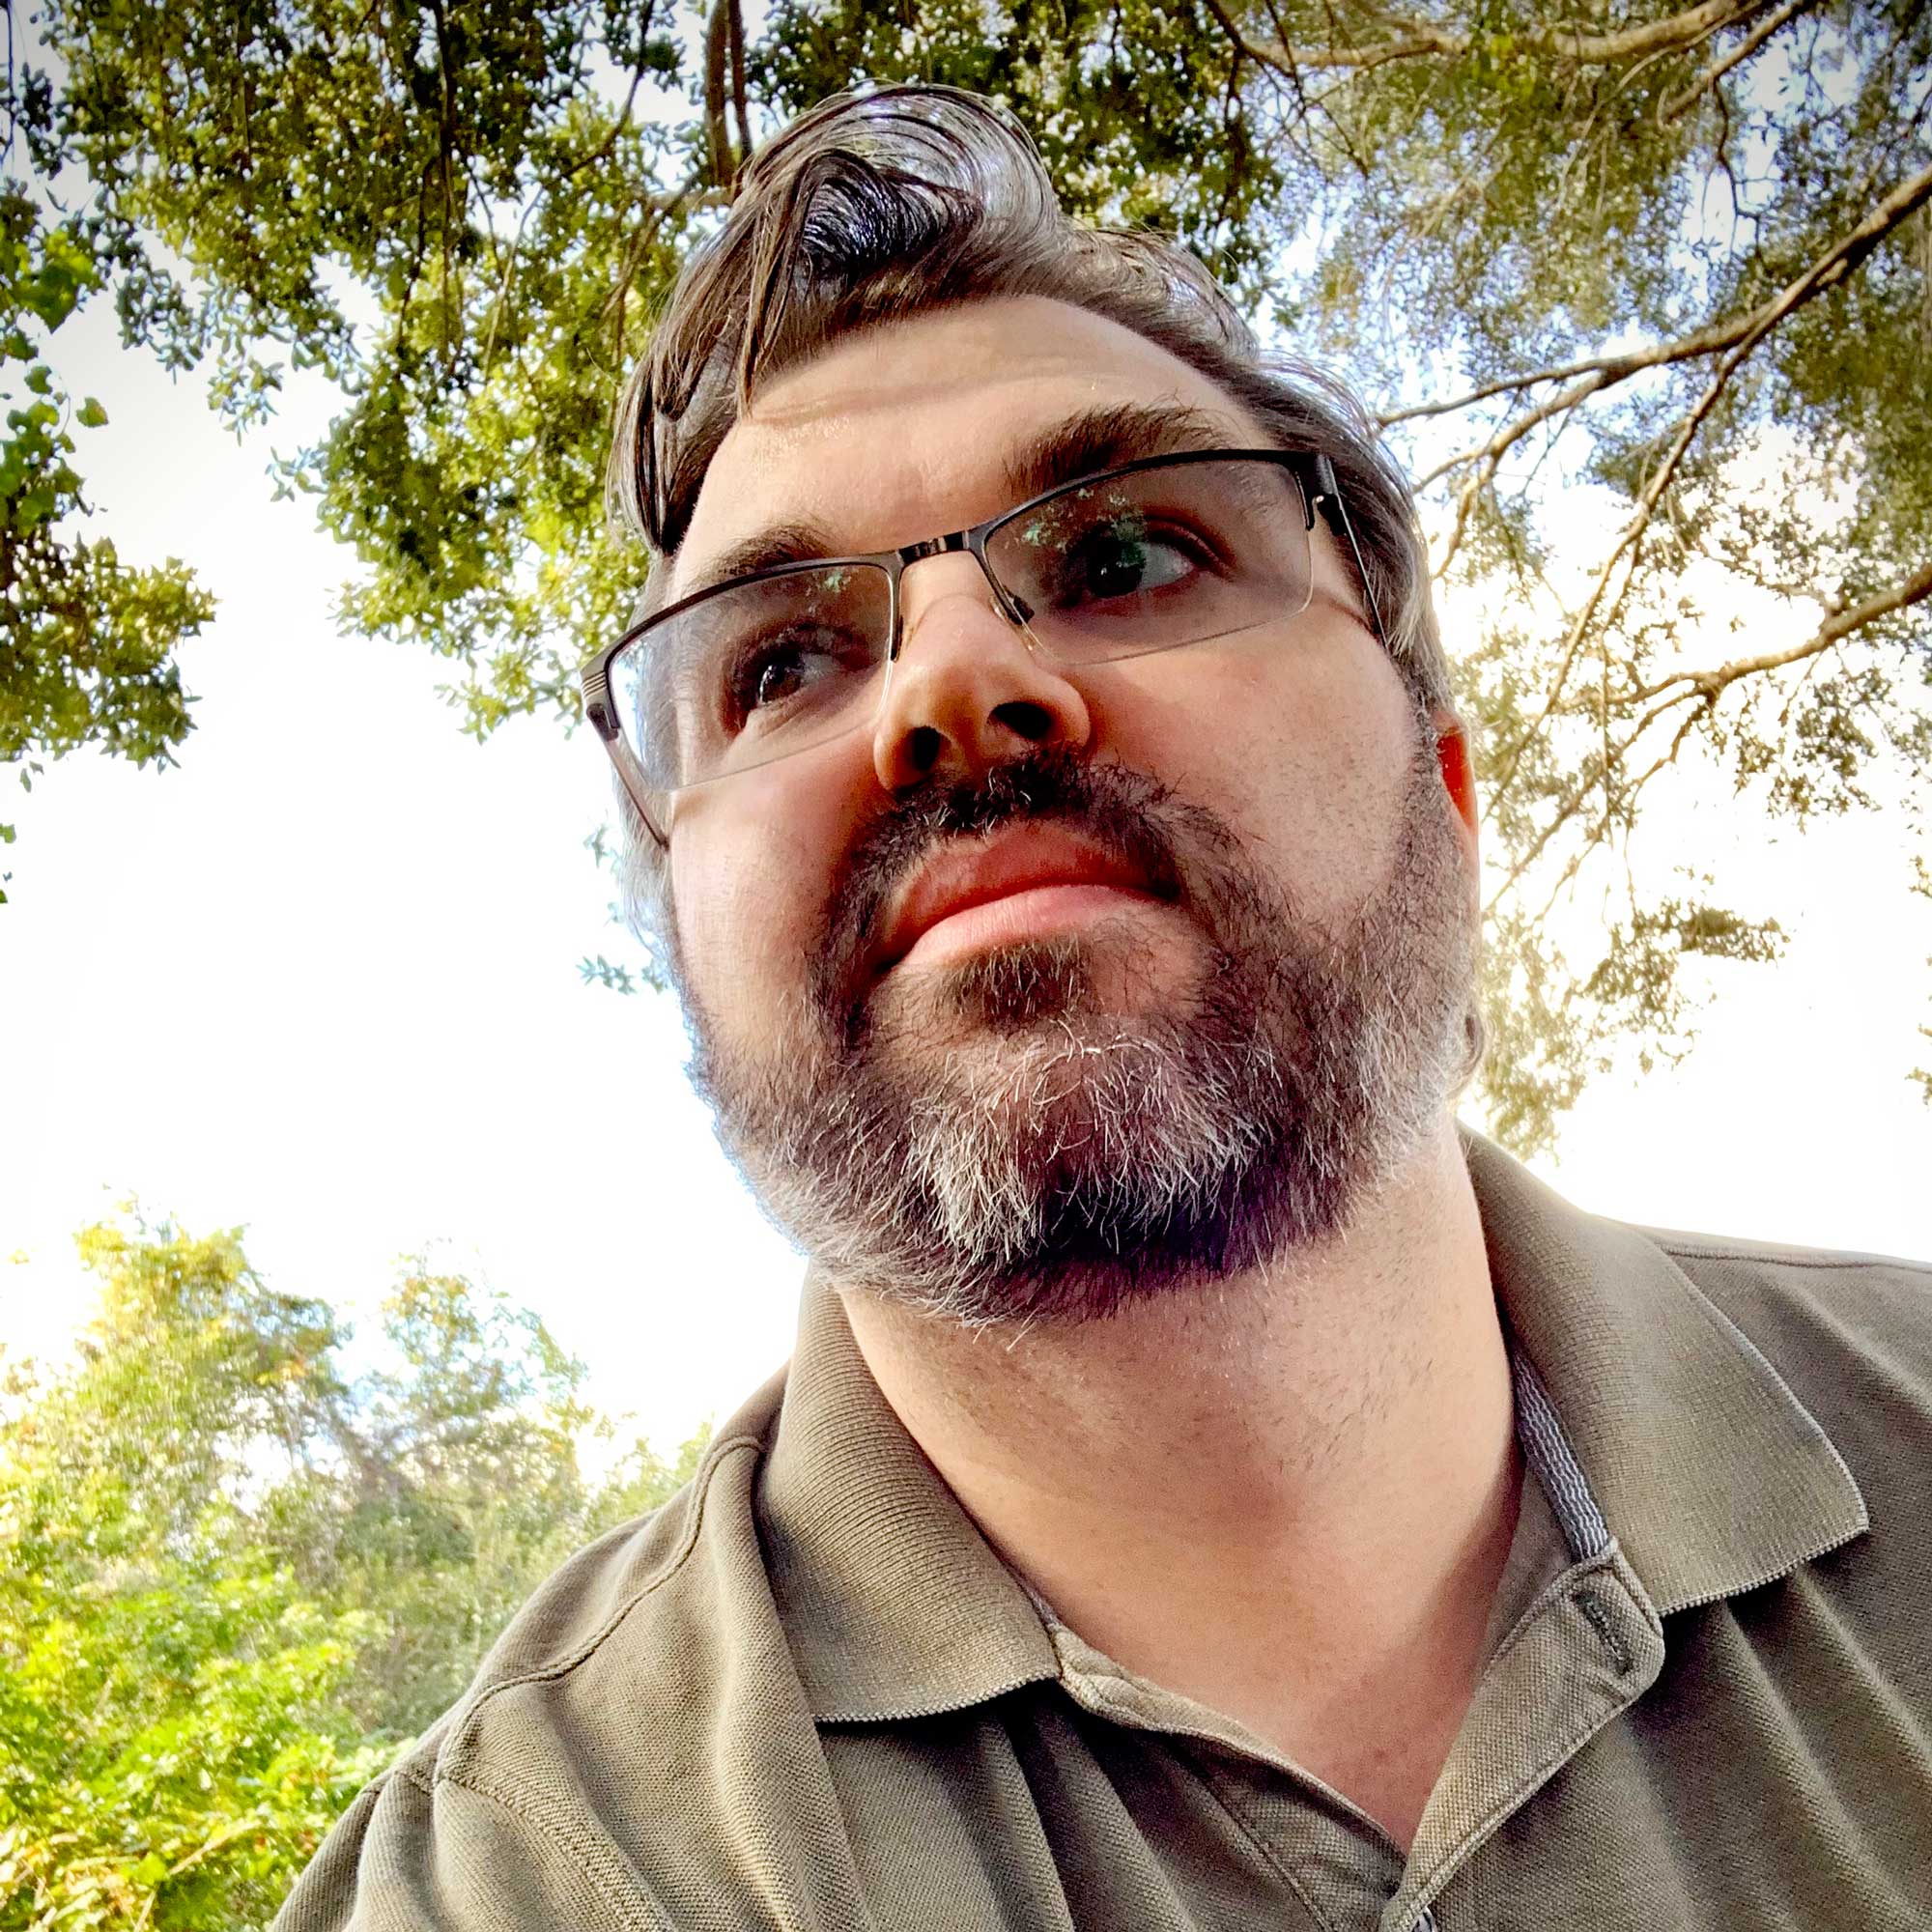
<point x="1040" y="912"/>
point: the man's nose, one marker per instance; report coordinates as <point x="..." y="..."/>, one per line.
<point x="968" y="692"/>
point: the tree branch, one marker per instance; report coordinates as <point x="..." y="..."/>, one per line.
<point x="658" y="209"/>
<point x="717" y="128"/>
<point x="1829" y="270"/>
<point x="1491" y="453"/>
<point x="622" y="119"/>
<point x="1710" y="685"/>
<point x="741" y="111"/>
<point x="1831" y="267"/>
<point x="1701" y="691"/>
<point x="1414" y="39"/>
<point x="1738" y="55"/>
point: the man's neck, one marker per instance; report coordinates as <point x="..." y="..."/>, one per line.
<point x="1287" y="1496"/>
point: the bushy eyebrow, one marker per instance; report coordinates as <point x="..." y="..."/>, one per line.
<point x="1104" y="438"/>
<point x="795" y="541"/>
<point x="1080" y="446"/>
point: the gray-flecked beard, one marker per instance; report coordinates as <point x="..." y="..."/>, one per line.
<point x="991" y="1144"/>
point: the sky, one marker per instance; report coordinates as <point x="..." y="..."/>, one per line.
<point x="320" y="982"/>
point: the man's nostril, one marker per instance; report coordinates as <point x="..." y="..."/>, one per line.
<point x="1032" y="722"/>
<point x="924" y="746"/>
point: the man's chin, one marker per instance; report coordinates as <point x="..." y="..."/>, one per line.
<point x="1104" y="978"/>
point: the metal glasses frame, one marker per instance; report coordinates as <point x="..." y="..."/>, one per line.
<point x="1314" y="476"/>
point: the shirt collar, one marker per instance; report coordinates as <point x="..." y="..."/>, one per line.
<point x="1709" y="1472"/>
<point x="895" y="1604"/>
<point x="1706" y="1468"/>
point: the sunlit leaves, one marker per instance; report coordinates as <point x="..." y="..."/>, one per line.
<point x="88" y="655"/>
<point x="233" y="1581"/>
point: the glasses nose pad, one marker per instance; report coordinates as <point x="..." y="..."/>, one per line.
<point x="1015" y="608"/>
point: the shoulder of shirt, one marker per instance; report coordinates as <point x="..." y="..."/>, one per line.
<point x="1841" y="1287"/>
<point x="1685" y="1246"/>
<point x="1849" y="1333"/>
<point x="636" y="1587"/>
<point x="1844" y="1278"/>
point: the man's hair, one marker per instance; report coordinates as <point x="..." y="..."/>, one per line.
<point x="875" y="207"/>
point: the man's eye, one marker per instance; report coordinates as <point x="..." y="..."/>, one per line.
<point x="1112" y="563"/>
<point x="782" y="671"/>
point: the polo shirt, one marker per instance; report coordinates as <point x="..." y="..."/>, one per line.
<point x="807" y="1694"/>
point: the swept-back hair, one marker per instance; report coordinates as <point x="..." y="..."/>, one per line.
<point x="878" y="206"/>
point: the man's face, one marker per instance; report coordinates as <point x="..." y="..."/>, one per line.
<point x="1054" y="986"/>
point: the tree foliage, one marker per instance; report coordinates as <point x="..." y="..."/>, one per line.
<point x="1643" y="292"/>
<point x="234" y="1580"/>
<point x="89" y="642"/>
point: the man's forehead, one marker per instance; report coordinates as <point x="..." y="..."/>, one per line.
<point x="899" y="432"/>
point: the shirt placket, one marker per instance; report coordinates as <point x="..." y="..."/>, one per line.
<point x="1587" y="1650"/>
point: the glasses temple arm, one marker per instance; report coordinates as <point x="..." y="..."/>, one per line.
<point x="1329" y="497"/>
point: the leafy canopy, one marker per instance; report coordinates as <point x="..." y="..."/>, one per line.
<point x="233" y="1581"/>
<point x="1643" y="292"/>
<point x="89" y="642"/>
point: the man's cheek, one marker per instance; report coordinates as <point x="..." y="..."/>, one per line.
<point x="749" y="913"/>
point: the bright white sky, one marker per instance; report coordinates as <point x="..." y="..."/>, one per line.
<point x="320" y="982"/>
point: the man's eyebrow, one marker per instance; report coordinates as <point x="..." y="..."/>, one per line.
<point x="1104" y="438"/>
<point x="1096" y="439"/>
<point x="796" y="541"/>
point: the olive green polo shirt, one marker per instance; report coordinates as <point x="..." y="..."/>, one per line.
<point x="808" y="1695"/>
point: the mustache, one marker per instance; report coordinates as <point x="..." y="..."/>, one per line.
<point x="1131" y="815"/>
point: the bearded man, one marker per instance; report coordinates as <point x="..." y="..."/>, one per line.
<point x="1208" y="1489"/>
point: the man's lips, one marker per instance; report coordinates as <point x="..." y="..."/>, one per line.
<point x="1023" y="882"/>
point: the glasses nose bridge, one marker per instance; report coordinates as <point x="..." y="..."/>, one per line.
<point x="952" y="543"/>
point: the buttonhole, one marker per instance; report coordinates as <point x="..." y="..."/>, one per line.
<point x="1596" y="1615"/>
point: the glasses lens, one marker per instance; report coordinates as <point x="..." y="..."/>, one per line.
<point x="1175" y="553"/>
<point x="755" y="672"/>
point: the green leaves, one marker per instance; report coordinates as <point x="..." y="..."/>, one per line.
<point x="90" y="643"/>
<point x="1675" y="272"/>
<point x="233" y="1583"/>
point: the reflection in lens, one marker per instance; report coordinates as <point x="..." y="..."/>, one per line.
<point x="1180" y="553"/>
<point x="1173" y="555"/>
<point x="755" y="672"/>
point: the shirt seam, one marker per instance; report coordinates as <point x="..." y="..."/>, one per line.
<point x="1555" y="1590"/>
<point x="1519" y="1795"/>
<point x="1765" y="1259"/>
<point x="557" y="1831"/>
<point x="1252" y="1832"/>
<point x="564" y="1665"/>
<point x="1124" y="1715"/>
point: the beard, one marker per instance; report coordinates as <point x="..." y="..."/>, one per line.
<point x="998" y="1142"/>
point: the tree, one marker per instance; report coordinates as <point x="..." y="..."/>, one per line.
<point x="232" y="1582"/>
<point x="1674" y="260"/>
<point x="89" y="654"/>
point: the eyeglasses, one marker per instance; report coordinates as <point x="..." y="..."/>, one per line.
<point x="1150" y="556"/>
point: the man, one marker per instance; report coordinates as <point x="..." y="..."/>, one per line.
<point x="1207" y="1492"/>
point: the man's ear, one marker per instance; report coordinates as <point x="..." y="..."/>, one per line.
<point x="1458" y="765"/>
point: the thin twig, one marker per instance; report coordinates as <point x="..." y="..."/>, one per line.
<point x="1738" y="55"/>
<point x="1701" y="691"/>
<point x="1415" y="40"/>
<point x="1711" y="684"/>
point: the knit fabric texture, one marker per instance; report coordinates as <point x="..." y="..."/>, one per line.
<point x="808" y="1695"/>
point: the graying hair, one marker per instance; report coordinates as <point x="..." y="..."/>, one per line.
<point x="875" y="207"/>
